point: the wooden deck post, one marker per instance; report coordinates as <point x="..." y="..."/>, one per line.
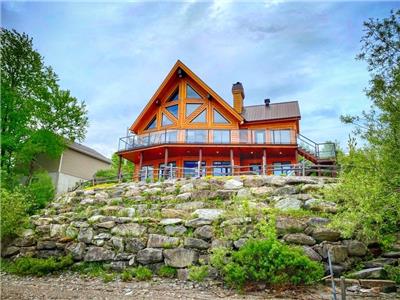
<point x="264" y="162"/>
<point x="119" y="168"/>
<point x="232" y="163"/>
<point x="199" y="163"/>
<point x="139" y="171"/>
<point x="164" y="171"/>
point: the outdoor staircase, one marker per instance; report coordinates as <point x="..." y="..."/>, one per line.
<point x="317" y="153"/>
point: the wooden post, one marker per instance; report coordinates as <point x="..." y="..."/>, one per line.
<point x="342" y="288"/>
<point x="200" y="161"/>
<point x="119" y="168"/>
<point x="165" y="162"/>
<point x="303" y="168"/>
<point x="264" y="162"/>
<point x="140" y="166"/>
<point x="232" y="163"/>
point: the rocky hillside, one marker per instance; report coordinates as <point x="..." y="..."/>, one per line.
<point x="178" y="222"/>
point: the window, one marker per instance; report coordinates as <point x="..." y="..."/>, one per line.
<point x="191" y="93"/>
<point x="167" y="172"/>
<point x="173" y="109"/>
<point x="191" y="107"/>
<point x="280" y="168"/>
<point x="255" y="169"/>
<point x="190" y="168"/>
<point x="219" y="118"/>
<point x="244" y="136"/>
<point x="259" y="136"/>
<point x="174" y="96"/>
<point x="146" y="172"/>
<point x="165" y="121"/>
<point x="156" y="138"/>
<point x="196" y="136"/>
<point x="280" y="136"/>
<point x="201" y="117"/>
<point x="222" y="136"/>
<point x="152" y="124"/>
<point x="221" y="168"/>
<point x="171" y="136"/>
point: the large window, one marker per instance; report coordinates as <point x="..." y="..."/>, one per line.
<point x="191" y="107"/>
<point x="171" y="136"/>
<point x="201" y="118"/>
<point x="219" y="118"/>
<point x="221" y="168"/>
<point x="167" y="172"/>
<point x="280" y="136"/>
<point x="222" y="136"/>
<point x="146" y="172"/>
<point x="259" y="136"/>
<point x="196" y="136"/>
<point x="190" y="169"/>
<point x="280" y="168"/>
<point x="191" y="93"/>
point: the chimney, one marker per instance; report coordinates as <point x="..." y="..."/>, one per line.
<point x="267" y="101"/>
<point x="238" y="96"/>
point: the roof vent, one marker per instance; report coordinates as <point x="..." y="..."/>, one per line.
<point x="267" y="101"/>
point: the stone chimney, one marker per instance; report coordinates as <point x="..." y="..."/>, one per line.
<point x="238" y="96"/>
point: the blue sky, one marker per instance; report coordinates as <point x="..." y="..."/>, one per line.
<point x="114" y="55"/>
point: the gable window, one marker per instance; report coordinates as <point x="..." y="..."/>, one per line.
<point x="191" y="107"/>
<point x="165" y="121"/>
<point x="173" y="109"/>
<point x="174" y="96"/>
<point x="219" y="118"/>
<point x="191" y="93"/>
<point x="222" y="136"/>
<point x="152" y="124"/>
<point x="280" y="136"/>
<point x="201" y="117"/>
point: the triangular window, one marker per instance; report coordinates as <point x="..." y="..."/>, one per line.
<point x="174" y="96"/>
<point x="219" y="118"/>
<point x="173" y="109"/>
<point x="201" y="118"/>
<point x="165" y="121"/>
<point x="152" y="124"/>
<point x="191" y="93"/>
<point x="191" y="107"/>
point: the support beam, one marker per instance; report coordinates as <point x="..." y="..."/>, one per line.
<point x="119" y="168"/>
<point x="139" y="171"/>
<point x="164" y="171"/>
<point x="264" y="163"/>
<point x="232" y="163"/>
<point x="199" y="162"/>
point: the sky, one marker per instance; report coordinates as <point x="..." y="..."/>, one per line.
<point x="114" y="55"/>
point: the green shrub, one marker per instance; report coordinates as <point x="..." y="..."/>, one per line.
<point x="198" y="273"/>
<point x="108" y="277"/>
<point x="142" y="273"/>
<point x="266" y="260"/>
<point x="13" y="213"/>
<point x="92" y="269"/>
<point x="126" y="275"/>
<point x="41" y="191"/>
<point x="392" y="273"/>
<point x="167" y="272"/>
<point x="105" y="173"/>
<point x="37" y="266"/>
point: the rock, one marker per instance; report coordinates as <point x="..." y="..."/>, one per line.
<point x="43" y="221"/>
<point x="289" y="204"/>
<point x="311" y="253"/>
<point x="336" y="269"/>
<point x="85" y="235"/>
<point x="243" y="194"/>
<point x="149" y="255"/>
<point x="289" y="225"/>
<point x="204" y="232"/>
<point x="299" y="238"/>
<point x="46" y="245"/>
<point x="224" y="194"/>
<point x="198" y="222"/>
<point x="101" y="195"/>
<point x="175" y="230"/>
<point x="303" y="197"/>
<point x="57" y="230"/>
<point x="171" y="221"/>
<point x="183" y="274"/>
<point x="355" y="248"/>
<point x="172" y="213"/>
<point x="311" y="188"/>
<point x="184" y="196"/>
<point x="76" y="250"/>
<point x="254" y="181"/>
<point x="318" y="205"/>
<point x="98" y="254"/>
<point x="301" y="180"/>
<point x="134" y="245"/>
<point x="208" y="213"/>
<point x="196" y="243"/>
<point x="325" y="234"/>
<point x="180" y="257"/>
<point x="221" y="244"/>
<point x="233" y="184"/>
<point x="338" y="252"/>
<point x="133" y="229"/>
<point x="380" y="262"/>
<point x="118" y="243"/>
<point x="392" y="254"/>
<point x="239" y="243"/>
<point x="372" y="273"/>
<point x="24" y="241"/>
<point x="119" y="265"/>
<point x="71" y="232"/>
<point x="317" y="221"/>
<point x="261" y="191"/>
<point x="10" y="251"/>
<point x="154" y="191"/>
<point x="161" y="241"/>
<point x="107" y="225"/>
<point x="236" y="221"/>
<point x="188" y="187"/>
<point x="128" y="211"/>
<point x="188" y="206"/>
<point x="286" y="190"/>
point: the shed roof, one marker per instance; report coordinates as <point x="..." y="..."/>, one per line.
<point x="89" y="151"/>
<point x="282" y="110"/>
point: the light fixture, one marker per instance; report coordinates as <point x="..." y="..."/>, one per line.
<point x="280" y="152"/>
<point x="217" y="152"/>
<point x="251" y="152"/>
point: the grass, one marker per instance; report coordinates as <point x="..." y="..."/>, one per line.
<point x="198" y="273"/>
<point x="100" y="186"/>
<point x="167" y="272"/>
<point x="141" y="273"/>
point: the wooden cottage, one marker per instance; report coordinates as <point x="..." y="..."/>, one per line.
<point x="187" y="129"/>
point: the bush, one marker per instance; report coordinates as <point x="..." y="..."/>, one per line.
<point x="392" y="273"/>
<point x="142" y="273"/>
<point x="92" y="269"/>
<point x="126" y="275"/>
<point x="198" y="273"/>
<point x="37" y="266"/>
<point x="167" y="272"/>
<point x="266" y="260"/>
<point x="13" y="213"/>
<point x="41" y="190"/>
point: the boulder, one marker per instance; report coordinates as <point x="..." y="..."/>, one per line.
<point x="149" y="256"/>
<point x="183" y="274"/>
<point x="85" y="235"/>
<point x="236" y="221"/>
<point x="25" y="241"/>
<point x="76" y="250"/>
<point x="98" y="254"/>
<point x="134" y="245"/>
<point x="198" y="222"/>
<point x="118" y="243"/>
<point x="10" y="251"/>
<point x="133" y="229"/>
<point x="325" y="234"/>
<point x="243" y="194"/>
<point x="239" y="243"/>
<point x="338" y="252"/>
<point x="154" y="191"/>
<point x="189" y="206"/>
<point x="261" y="191"/>
<point x="289" y="225"/>
<point x="233" y="184"/>
<point x="204" y="232"/>
<point x="372" y="273"/>
<point x="392" y="254"/>
<point x="288" y="204"/>
<point x="318" y="221"/>
<point x="196" y="243"/>
<point x="57" y="230"/>
<point x="171" y="221"/>
<point x="180" y="257"/>
<point x="46" y="245"/>
<point x="208" y="213"/>
<point x="221" y="244"/>
<point x="184" y="196"/>
<point x="175" y="230"/>
<point x="188" y="187"/>
<point x="172" y="213"/>
<point x="318" y="205"/>
<point x="311" y="253"/>
<point x="161" y="241"/>
<point x="286" y="190"/>
<point x="107" y="225"/>
<point x="299" y="238"/>
<point x="355" y="248"/>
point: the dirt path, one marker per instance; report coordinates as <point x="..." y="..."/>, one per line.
<point x="69" y="286"/>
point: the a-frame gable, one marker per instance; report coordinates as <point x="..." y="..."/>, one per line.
<point x="169" y="84"/>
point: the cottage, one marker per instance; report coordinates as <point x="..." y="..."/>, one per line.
<point x="187" y="129"/>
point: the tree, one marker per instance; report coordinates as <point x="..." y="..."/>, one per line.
<point x="127" y="168"/>
<point x="36" y="115"/>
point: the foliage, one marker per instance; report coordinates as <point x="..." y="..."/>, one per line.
<point x="108" y="277"/>
<point x="37" y="266"/>
<point x="41" y="191"/>
<point x="127" y="168"/>
<point x="37" y="117"/>
<point x="167" y="272"/>
<point x="198" y="273"/>
<point x="392" y="273"/>
<point x="370" y="177"/>
<point x="13" y="213"/>
<point x="126" y="275"/>
<point x="92" y="269"/>
<point x="142" y="273"/>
